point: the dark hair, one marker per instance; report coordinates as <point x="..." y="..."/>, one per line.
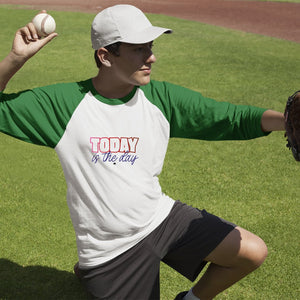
<point x="112" y="48"/>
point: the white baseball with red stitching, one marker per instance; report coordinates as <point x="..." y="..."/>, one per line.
<point x="44" y="24"/>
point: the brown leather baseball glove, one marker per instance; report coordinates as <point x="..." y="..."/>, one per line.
<point x="292" y="124"/>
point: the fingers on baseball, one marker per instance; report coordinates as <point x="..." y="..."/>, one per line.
<point x="50" y="37"/>
<point x="29" y="33"/>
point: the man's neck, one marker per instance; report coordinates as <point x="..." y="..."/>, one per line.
<point x="109" y="89"/>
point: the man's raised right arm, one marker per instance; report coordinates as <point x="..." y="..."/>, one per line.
<point x="25" y="45"/>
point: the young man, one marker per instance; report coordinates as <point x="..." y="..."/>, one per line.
<point x="111" y="134"/>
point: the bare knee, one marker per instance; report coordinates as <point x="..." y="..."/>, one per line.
<point x="241" y="249"/>
<point x="240" y="253"/>
<point x="253" y="250"/>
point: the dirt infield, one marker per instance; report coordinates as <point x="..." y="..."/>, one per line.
<point x="280" y="20"/>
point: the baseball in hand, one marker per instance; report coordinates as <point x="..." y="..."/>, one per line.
<point x="44" y="24"/>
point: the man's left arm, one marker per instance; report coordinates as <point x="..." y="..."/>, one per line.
<point x="272" y="121"/>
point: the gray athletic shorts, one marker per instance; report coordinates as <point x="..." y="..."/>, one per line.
<point x="182" y="241"/>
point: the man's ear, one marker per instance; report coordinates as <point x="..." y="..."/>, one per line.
<point x="104" y="57"/>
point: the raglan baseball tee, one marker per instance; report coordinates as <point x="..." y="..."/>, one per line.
<point x="112" y="151"/>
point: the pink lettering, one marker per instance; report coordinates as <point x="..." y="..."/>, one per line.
<point x="114" y="144"/>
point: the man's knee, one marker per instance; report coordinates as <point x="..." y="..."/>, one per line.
<point x="252" y="252"/>
<point x="255" y="250"/>
<point x="240" y="248"/>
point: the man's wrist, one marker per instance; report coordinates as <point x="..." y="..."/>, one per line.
<point x="17" y="61"/>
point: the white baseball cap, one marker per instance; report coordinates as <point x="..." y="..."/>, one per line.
<point x="123" y="23"/>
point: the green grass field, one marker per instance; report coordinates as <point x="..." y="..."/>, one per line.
<point x="252" y="183"/>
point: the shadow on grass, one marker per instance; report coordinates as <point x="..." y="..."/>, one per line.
<point x="37" y="282"/>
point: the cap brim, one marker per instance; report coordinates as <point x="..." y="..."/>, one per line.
<point x="147" y="35"/>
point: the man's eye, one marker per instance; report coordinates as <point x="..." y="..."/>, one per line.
<point x="144" y="48"/>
